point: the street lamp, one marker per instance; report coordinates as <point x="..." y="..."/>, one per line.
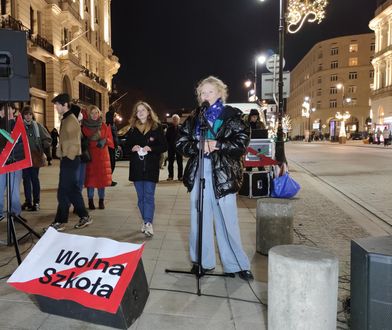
<point x="260" y="59"/>
<point x="297" y="9"/>
<point x="342" y="132"/>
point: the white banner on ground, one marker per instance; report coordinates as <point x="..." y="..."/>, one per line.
<point x="93" y="272"/>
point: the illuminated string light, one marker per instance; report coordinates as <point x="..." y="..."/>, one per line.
<point x="299" y="11"/>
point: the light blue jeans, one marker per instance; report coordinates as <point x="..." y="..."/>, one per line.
<point x="15" y="179"/>
<point x="146" y="199"/>
<point x="224" y="212"/>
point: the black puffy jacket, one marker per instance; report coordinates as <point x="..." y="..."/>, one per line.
<point x="145" y="168"/>
<point x="232" y="141"/>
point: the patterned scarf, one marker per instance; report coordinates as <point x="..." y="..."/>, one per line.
<point x="94" y="126"/>
<point x="211" y="114"/>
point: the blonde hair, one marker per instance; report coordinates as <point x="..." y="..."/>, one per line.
<point x="152" y="118"/>
<point x="91" y="108"/>
<point x="219" y="84"/>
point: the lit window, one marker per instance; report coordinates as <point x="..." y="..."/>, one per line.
<point x="353" y="48"/>
<point x="353" y="61"/>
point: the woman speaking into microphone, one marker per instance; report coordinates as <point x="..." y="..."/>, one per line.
<point x="226" y="137"/>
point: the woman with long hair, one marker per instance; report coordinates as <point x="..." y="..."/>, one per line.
<point x="98" y="170"/>
<point x="146" y="141"/>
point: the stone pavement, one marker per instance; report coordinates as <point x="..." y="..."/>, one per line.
<point x="226" y="303"/>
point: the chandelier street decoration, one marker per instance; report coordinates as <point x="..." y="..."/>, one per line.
<point x="342" y="132"/>
<point x="298" y="11"/>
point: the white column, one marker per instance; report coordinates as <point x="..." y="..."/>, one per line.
<point x="92" y="15"/>
<point x="106" y="34"/>
<point x="81" y="9"/>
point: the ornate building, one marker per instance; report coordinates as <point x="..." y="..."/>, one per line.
<point x="334" y="76"/>
<point x="69" y="50"/>
<point x="382" y="86"/>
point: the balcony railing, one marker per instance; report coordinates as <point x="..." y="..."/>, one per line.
<point x="9" y="22"/>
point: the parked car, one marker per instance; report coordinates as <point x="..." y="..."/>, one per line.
<point x="121" y="152"/>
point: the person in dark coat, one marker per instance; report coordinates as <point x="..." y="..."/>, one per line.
<point x="254" y="120"/>
<point x="54" y="134"/>
<point x="146" y="141"/>
<point x="110" y="115"/>
<point x="226" y="141"/>
<point x="172" y="153"/>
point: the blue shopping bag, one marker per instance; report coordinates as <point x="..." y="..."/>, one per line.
<point x="284" y="186"/>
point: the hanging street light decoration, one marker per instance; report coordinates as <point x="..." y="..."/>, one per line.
<point x="299" y="11"/>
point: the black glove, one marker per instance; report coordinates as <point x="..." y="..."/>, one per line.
<point x="101" y="143"/>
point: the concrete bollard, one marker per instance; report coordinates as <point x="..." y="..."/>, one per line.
<point x="302" y="288"/>
<point x="274" y="223"/>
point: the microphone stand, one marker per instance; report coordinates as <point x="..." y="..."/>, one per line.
<point x="200" y="202"/>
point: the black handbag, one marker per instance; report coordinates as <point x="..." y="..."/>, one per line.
<point x="85" y="157"/>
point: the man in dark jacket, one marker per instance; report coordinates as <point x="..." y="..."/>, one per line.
<point x="172" y="153"/>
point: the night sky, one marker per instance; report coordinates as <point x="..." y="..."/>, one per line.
<point x="166" y="47"/>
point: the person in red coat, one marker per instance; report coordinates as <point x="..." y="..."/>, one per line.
<point x="98" y="170"/>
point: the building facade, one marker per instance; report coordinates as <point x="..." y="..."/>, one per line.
<point x="381" y="96"/>
<point x="334" y="76"/>
<point x="69" y="50"/>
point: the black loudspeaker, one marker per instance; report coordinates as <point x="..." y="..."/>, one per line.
<point x="371" y="283"/>
<point x="255" y="184"/>
<point x="14" y="74"/>
<point x="131" y="306"/>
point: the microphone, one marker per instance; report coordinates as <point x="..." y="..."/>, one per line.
<point x="204" y="106"/>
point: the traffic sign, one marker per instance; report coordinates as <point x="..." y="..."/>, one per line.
<point x="272" y="63"/>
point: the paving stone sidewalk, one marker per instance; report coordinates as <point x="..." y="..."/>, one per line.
<point x="227" y="303"/>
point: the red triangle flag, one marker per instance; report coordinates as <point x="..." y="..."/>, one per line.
<point x="19" y="131"/>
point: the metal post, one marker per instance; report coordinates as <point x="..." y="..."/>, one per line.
<point x="255" y="83"/>
<point x="279" y="153"/>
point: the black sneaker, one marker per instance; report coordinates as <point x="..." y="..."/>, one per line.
<point x="84" y="222"/>
<point x="114" y="183"/>
<point x="59" y="226"/>
<point x="26" y="206"/>
<point x="33" y="208"/>
<point x="246" y="275"/>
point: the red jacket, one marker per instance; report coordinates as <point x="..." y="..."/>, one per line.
<point x="98" y="171"/>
